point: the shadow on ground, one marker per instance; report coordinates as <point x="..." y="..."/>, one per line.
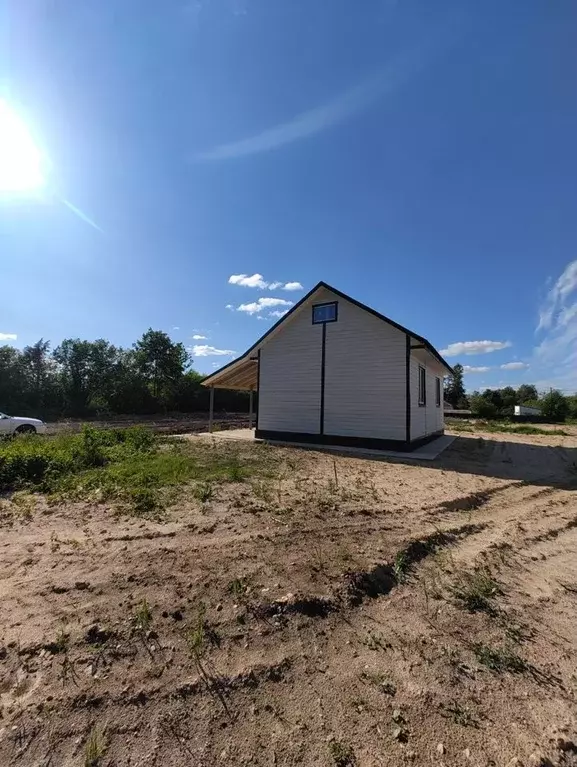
<point x="547" y="465"/>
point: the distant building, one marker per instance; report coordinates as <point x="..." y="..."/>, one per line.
<point x="525" y="410"/>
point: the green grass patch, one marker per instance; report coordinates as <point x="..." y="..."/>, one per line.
<point x="129" y="465"/>
<point x="522" y="428"/>
<point x="503" y="427"/>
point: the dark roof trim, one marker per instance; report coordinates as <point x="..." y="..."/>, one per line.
<point x="339" y="293"/>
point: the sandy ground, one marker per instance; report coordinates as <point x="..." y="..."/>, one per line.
<point x="309" y="619"/>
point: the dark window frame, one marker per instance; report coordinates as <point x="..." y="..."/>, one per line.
<point x="422" y="398"/>
<point x="438" y="391"/>
<point x="325" y="303"/>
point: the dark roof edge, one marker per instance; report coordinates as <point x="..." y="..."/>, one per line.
<point x="298" y="304"/>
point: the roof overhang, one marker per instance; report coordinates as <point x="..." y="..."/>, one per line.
<point x="242" y="375"/>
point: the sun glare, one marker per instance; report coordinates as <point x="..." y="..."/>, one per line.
<point x="20" y="159"/>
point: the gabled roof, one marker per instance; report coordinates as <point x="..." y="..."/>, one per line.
<point x="246" y="357"/>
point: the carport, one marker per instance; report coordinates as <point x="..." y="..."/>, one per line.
<point x="240" y="375"/>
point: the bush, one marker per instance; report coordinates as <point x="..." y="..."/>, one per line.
<point x="42" y="462"/>
<point x="483" y="407"/>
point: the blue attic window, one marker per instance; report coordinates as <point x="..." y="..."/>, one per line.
<point x="324" y="313"/>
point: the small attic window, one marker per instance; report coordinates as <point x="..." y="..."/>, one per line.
<point x="325" y="313"/>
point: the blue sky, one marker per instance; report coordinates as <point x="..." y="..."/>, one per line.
<point x="419" y="156"/>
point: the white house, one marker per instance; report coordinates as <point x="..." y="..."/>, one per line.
<point x="334" y="371"/>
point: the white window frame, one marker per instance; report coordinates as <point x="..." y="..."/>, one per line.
<point x="438" y="391"/>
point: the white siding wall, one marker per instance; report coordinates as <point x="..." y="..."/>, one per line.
<point x="290" y="377"/>
<point x="428" y="419"/>
<point x="364" y="374"/>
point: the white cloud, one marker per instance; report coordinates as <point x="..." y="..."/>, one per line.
<point x="8" y="336"/>
<point x="385" y="81"/>
<point x="263" y="303"/>
<point x="474" y="347"/>
<point x="254" y="281"/>
<point x="176" y="327"/>
<point x="278" y="313"/>
<point x="555" y="357"/>
<point x="514" y="366"/>
<point x="473" y="369"/>
<point x="258" y="281"/>
<point x="230" y="307"/>
<point x="197" y="337"/>
<point x="553" y="305"/>
<point x="211" y="351"/>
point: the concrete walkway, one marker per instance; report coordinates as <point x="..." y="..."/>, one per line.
<point x="426" y="453"/>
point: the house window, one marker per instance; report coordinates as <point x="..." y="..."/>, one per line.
<point x="324" y="313"/>
<point x="438" y="392"/>
<point x="422" y="387"/>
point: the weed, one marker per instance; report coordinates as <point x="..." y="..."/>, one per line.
<point x="462" y="715"/>
<point x="319" y="559"/>
<point x="517" y="632"/>
<point x="23" y="504"/>
<point x="262" y="491"/>
<point x="238" y="588"/>
<point x="375" y="641"/>
<point x="142" y="618"/>
<point x="380" y="681"/>
<point x="401" y="566"/>
<point x="95" y="747"/>
<point x="196" y="638"/>
<point x="342" y="755"/>
<point x="499" y="659"/>
<point x="236" y="473"/>
<point x="62" y="641"/>
<point x="476" y="591"/>
<point x="203" y="491"/>
<point x="143" y="500"/>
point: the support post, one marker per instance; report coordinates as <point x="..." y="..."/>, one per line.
<point x="211" y="409"/>
<point x="250" y="410"/>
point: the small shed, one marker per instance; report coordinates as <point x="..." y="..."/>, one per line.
<point x="334" y="371"/>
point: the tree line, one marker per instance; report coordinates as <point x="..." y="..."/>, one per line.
<point x="500" y="403"/>
<point x="88" y="378"/>
<point x="155" y="375"/>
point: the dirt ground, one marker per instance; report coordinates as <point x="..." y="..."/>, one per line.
<point x="316" y="618"/>
<point x="176" y="423"/>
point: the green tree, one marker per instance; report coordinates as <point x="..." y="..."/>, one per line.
<point x="509" y="399"/>
<point x="87" y="370"/>
<point x="572" y="403"/>
<point x="494" y="397"/>
<point x="161" y="362"/>
<point x="554" y="406"/>
<point x="526" y="393"/>
<point x="454" y="388"/>
<point x="12" y="388"/>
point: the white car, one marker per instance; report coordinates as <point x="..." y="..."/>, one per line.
<point x="12" y="424"/>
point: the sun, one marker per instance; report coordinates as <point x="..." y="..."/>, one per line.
<point x="21" y="162"/>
